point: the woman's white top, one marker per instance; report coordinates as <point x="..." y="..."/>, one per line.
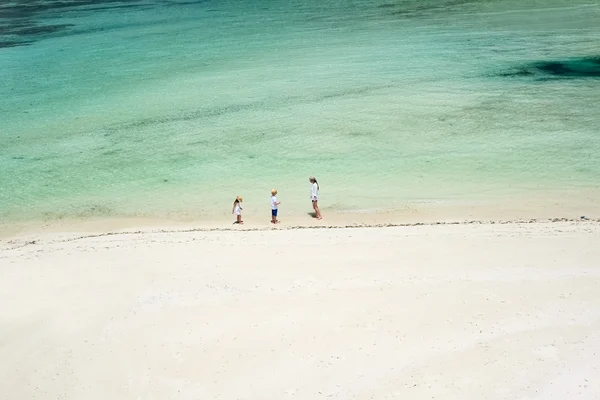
<point x="314" y="192"/>
<point x="273" y="203"/>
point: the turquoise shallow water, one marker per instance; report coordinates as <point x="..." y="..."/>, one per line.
<point x="171" y="108"/>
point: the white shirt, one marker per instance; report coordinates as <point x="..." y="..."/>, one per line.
<point x="314" y="192"/>
<point x="273" y="203"/>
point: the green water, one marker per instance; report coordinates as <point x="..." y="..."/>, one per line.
<point x="173" y="108"/>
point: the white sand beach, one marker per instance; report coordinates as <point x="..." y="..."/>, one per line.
<point x="470" y="311"/>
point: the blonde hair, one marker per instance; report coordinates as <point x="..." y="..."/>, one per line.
<point x="313" y="179"/>
<point x="274" y="191"/>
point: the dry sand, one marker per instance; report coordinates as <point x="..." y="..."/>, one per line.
<point x="485" y="311"/>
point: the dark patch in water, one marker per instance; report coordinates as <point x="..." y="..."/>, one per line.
<point x="111" y="152"/>
<point x="586" y="67"/>
<point x="582" y="68"/>
<point x="13" y="43"/>
<point x="518" y="72"/>
<point x="19" y="25"/>
<point x="358" y="134"/>
<point x="33" y="30"/>
<point x="419" y="9"/>
<point x="93" y="210"/>
<point x="186" y="3"/>
<point x="361" y="91"/>
<point x="114" y="7"/>
<point x="27" y="9"/>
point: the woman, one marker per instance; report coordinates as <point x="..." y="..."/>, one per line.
<point x="314" y="196"/>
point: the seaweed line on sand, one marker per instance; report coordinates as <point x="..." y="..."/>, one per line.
<point x="298" y="227"/>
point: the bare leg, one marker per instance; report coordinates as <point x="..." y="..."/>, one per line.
<point x="317" y="211"/>
<point x="239" y="219"/>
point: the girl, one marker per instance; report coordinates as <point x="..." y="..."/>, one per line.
<point x="237" y="210"/>
<point x="314" y="196"/>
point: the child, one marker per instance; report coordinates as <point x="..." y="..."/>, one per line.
<point x="274" y="206"/>
<point x="237" y="210"/>
<point x="314" y="196"/>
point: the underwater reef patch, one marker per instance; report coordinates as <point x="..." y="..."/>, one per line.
<point x="584" y="67"/>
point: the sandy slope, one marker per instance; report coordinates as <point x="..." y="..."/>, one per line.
<point x="446" y="312"/>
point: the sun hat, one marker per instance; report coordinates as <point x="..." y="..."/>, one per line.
<point x="239" y="198"/>
<point x="274" y="191"/>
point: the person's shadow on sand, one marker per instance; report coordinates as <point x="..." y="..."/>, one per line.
<point x="312" y="214"/>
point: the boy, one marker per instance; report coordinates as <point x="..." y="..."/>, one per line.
<point x="274" y="206"/>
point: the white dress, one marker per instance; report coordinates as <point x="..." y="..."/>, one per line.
<point x="238" y="209"/>
<point x="314" y="192"/>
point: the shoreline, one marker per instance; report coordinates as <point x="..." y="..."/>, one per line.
<point x="501" y="211"/>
